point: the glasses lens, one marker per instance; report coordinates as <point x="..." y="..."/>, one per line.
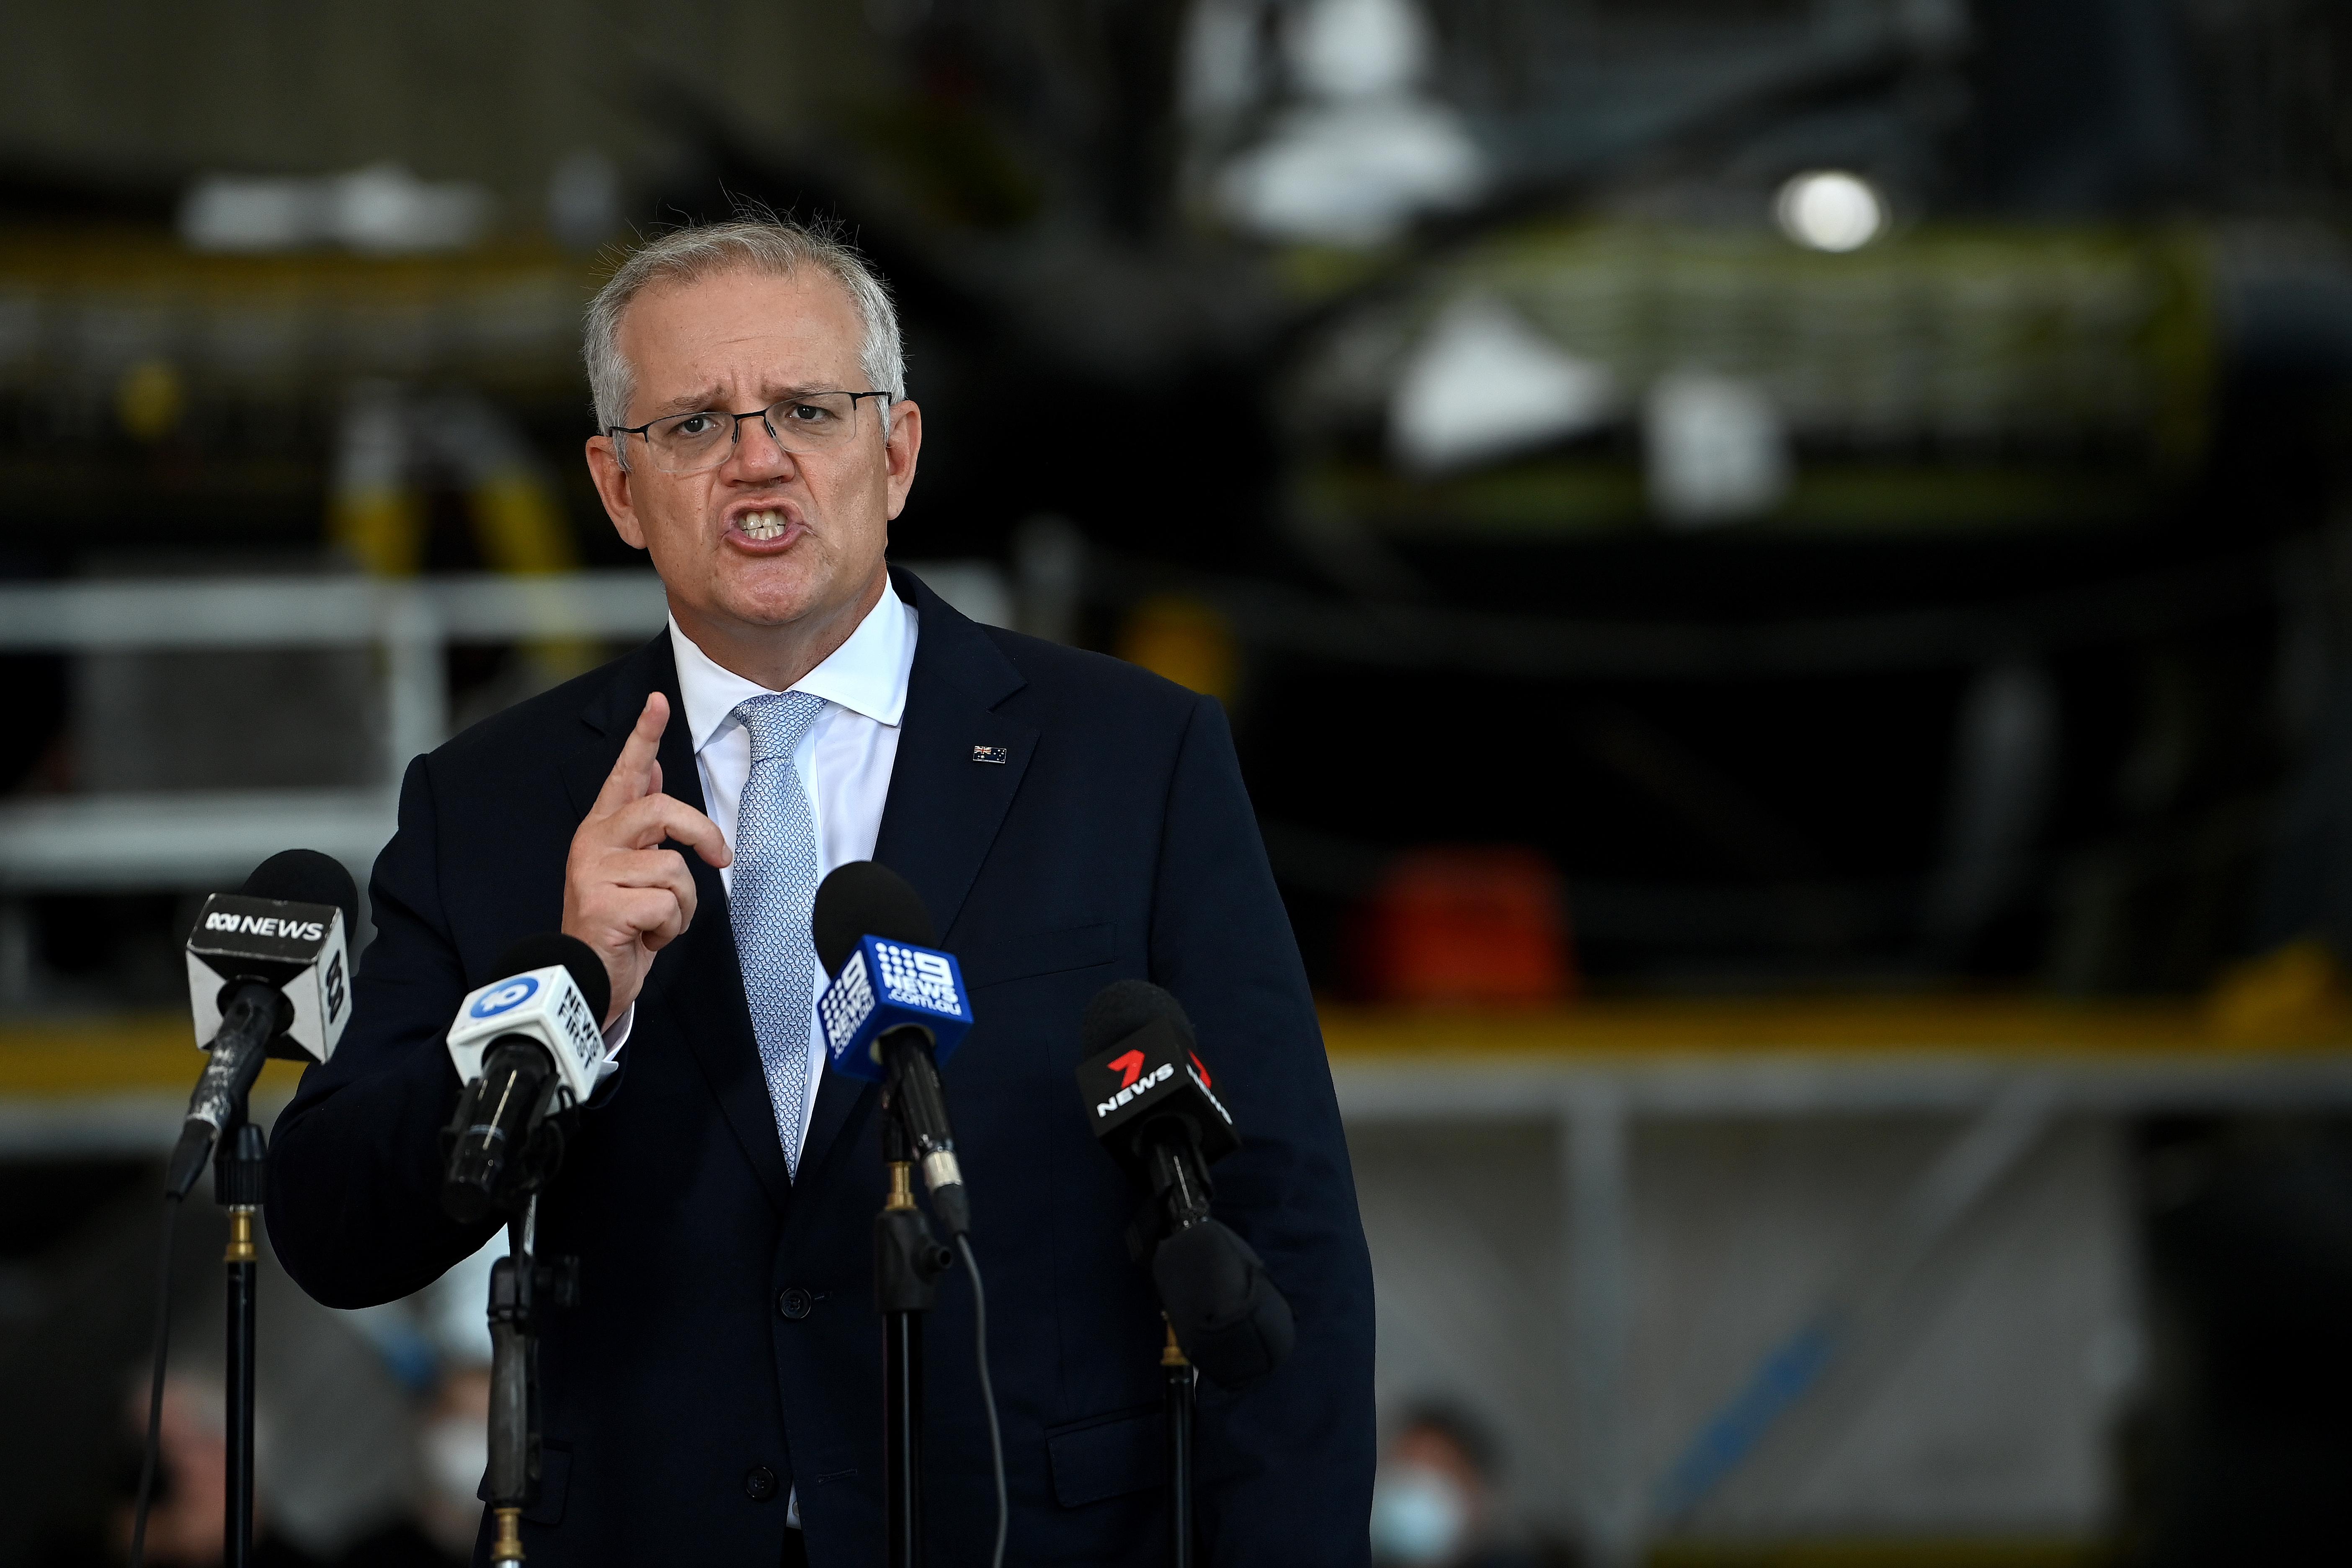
<point x="689" y="443"/>
<point x="813" y="421"/>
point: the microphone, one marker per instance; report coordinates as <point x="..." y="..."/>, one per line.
<point x="268" y="976"/>
<point x="894" y="1012"/>
<point x="527" y="1048"/>
<point x="1154" y="1107"/>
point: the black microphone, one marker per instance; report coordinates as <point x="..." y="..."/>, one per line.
<point x="267" y="975"/>
<point x="865" y="898"/>
<point x="1154" y="1107"/>
<point x="527" y="1048"/>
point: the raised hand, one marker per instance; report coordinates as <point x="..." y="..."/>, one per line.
<point x="622" y="894"/>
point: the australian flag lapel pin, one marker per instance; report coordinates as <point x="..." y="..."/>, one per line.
<point x="997" y="754"/>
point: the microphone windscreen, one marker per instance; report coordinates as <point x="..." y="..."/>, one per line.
<point x="1124" y="1007"/>
<point x="578" y="959"/>
<point x="863" y="899"/>
<point x="1231" y="1321"/>
<point x="306" y="876"/>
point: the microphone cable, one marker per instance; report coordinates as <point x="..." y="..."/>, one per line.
<point x="988" y="1394"/>
<point x="147" y="1462"/>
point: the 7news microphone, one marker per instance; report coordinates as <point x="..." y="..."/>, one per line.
<point x="527" y="1048"/>
<point x="894" y="1012"/>
<point x="1154" y="1107"/>
<point x="268" y="976"/>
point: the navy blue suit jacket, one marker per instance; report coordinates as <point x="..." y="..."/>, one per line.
<point x="726" y="1323"/>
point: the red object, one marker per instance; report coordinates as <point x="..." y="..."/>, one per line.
<point x="1467" y="927"/>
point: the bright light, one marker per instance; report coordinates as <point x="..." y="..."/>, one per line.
<point x="1829" y="209"/>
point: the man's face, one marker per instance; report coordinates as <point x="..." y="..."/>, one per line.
<point x="768" y="538"/>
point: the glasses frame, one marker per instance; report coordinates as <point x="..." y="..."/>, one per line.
<point x="735" y="435"/>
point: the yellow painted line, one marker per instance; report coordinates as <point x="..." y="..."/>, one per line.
<point x="156" y="1050"/>
<point x="109" y="1056"/>
<point x="1872" y="1025"/>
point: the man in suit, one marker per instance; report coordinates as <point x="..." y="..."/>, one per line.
<point x="1068" y="820"/>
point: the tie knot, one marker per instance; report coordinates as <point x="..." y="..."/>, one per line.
<point x="776" y="721"/>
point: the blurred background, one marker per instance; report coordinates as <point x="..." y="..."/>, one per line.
<point x="1782" y="570"/>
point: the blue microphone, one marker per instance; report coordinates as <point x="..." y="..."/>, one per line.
<point x="895" y="1010"/>
<point x="885" y="987"/>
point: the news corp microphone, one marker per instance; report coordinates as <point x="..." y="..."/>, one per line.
<point x="527" y="1048"/>
<point x="894" y="1012"/>
<point x="268" y="976"/>
<point x="1154" y="1107"/>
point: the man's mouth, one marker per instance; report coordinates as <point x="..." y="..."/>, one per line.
<point x="761" y="526"/>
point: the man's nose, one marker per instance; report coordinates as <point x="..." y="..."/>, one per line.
<point x="757" y="454"/>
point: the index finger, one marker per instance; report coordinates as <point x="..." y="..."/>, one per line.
<point x="641" y="825"/>
<point x="632" y="778"/>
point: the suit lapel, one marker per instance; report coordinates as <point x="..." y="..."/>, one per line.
<point x="944" y="808"/>
<point x="701" y="987"/>
<point x="609" y="715"/>
<point x="696" y="981"/>
<point x="945" y="805"/>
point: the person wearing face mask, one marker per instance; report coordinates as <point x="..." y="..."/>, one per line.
<point x="1434" y="1497"/>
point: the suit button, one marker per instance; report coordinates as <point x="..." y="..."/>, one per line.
<point x="760" y="1483"/>
<point x="795" y="1303"/>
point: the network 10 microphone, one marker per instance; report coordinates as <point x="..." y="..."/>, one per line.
<point x="895" y="1012"/>
<point x="268" y="976"/>
<point x="1154" y="1107"/>
<point x="527" y="1048"/>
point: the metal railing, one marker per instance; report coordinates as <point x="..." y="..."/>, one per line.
<point x="191" y="838"/>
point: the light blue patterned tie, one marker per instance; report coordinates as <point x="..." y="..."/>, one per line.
<point x="774" y="887"/>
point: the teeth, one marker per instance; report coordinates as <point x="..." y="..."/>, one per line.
<point x="760" y="525"/>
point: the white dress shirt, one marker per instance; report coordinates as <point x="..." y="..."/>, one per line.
<point x="844" y="760"/>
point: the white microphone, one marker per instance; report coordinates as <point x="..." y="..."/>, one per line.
<point x="527" y="1048"/>
<point x="268" y="976"/>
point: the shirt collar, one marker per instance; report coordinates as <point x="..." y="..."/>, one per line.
<point x="867" y="674"/>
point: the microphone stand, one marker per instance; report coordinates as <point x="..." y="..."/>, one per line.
<point x="907" y="1263"/>
<point x="238" y="1168"/>
<point x="1177" y="1373"/>
<point x="520" y="1287"/>
<point x="1180" y="1186"/>
<point x="514" y="1388"/>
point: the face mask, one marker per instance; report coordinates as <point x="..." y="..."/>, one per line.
<point x="1418" y="1515"/>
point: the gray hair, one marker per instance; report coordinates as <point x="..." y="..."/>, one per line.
<point x="759" y="242"/>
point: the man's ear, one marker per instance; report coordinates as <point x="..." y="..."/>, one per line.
<point x="612" y="490"/>
<point x="900" y="452"/>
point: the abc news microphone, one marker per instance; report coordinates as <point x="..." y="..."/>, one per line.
<point x="527" y="1048"/>
<point x="894" y="1012"/>
<point x="268" y="976"/>
<point x="1154" y="1107"/>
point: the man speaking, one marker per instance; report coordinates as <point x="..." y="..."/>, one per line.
<point x="1068" y="820"/>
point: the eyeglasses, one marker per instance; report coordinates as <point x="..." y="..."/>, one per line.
<point x="806" y="421"/>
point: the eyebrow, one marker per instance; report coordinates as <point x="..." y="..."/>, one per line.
<point x="688" y="403"/>
<point x="707" y="401"/>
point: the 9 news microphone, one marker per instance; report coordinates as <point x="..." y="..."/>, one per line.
<point x="527" y="1048"/>
<point x="1154" y="1107"/>
<point x="894" y="1012"/>
<point x="268" y="976"/>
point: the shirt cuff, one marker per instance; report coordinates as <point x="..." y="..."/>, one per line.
<point x="616" y="1035"/>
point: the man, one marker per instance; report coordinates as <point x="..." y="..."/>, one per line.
<point x="1068" y="820"/>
